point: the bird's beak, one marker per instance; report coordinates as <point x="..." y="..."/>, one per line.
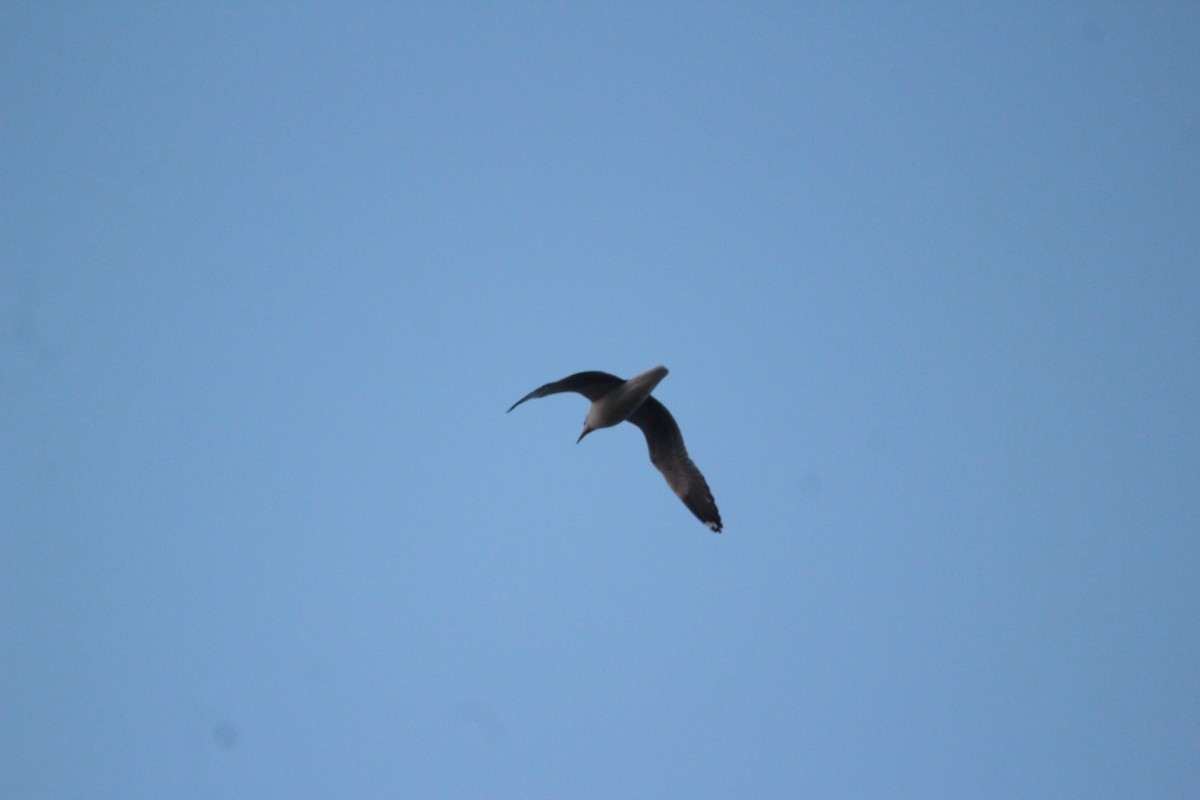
<point x="586" y="431"/>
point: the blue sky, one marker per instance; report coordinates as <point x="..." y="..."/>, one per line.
<point x="927" y="278"/>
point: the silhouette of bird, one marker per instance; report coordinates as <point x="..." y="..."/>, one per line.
<point x="615" y="401"/>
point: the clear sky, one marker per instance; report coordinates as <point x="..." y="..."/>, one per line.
<point x="927" y="279"/>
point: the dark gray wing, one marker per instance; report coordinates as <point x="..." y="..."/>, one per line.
<point x="671" y="457"/>
<point x="592" y="385"/>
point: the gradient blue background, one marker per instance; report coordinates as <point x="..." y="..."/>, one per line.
<point x="927" y="278"/>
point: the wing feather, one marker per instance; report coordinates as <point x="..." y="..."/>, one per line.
<point x="592" y="385"/>
<point x="668" y="454"/>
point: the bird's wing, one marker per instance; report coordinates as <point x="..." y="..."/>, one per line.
<point x="592" y="385"/>
<point x="671" y="457"/>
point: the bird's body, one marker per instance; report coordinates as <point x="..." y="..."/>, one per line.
<point x="615" y="401"/>
<point x="616" y="405"/>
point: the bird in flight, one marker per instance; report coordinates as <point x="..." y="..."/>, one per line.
<point x="615" y="401"/>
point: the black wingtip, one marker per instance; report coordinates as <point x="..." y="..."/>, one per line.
<point x="706" y="511"/>
<point x="711" y="519"/>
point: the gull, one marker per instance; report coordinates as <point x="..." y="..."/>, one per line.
<point x="615" y="401"/>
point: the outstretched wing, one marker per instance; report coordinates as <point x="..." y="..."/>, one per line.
<point x="671" y="457"/>
<point x="592" y="385"/>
